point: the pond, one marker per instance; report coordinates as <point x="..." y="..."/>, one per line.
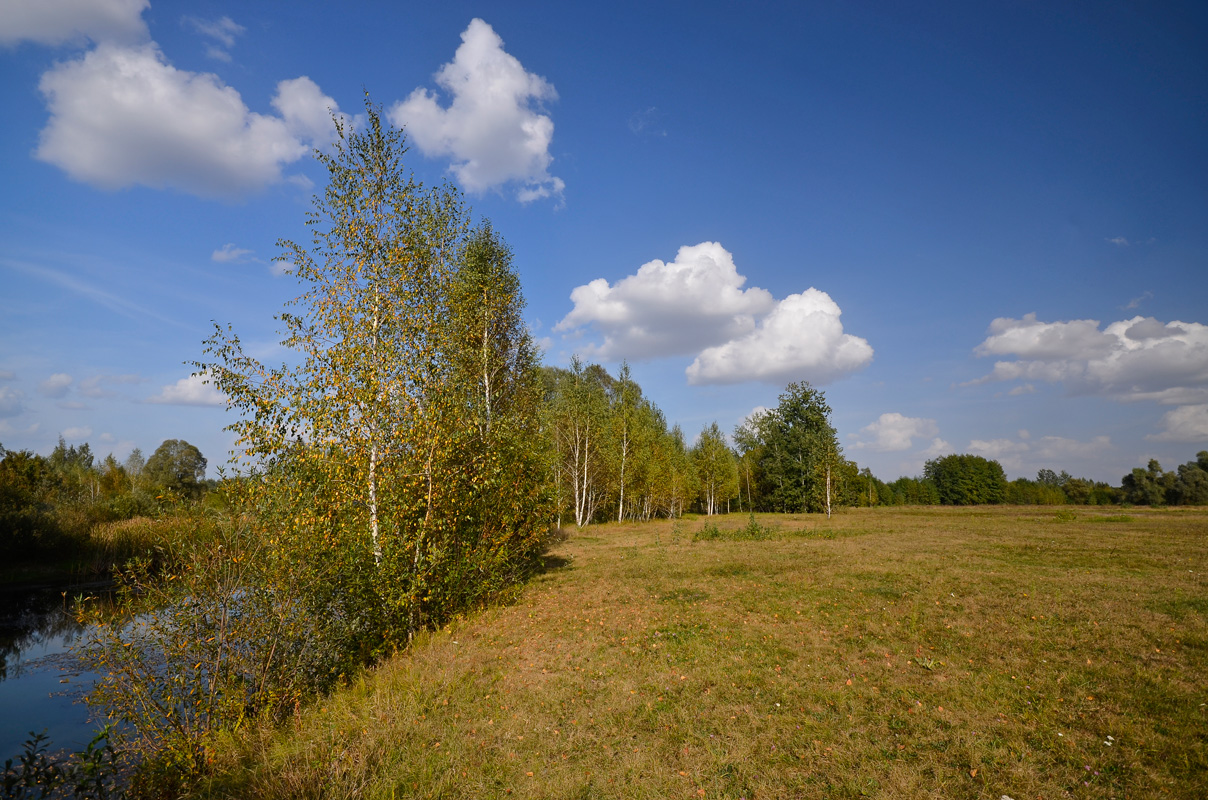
<point x="42" y="685"/>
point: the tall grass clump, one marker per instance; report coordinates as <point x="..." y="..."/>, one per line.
<point x="751" y="532"/>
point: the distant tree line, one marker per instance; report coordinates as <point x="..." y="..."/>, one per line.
<point x="965" y="479"/>
<point x="49" y="504"/>
<point x="1188" y="486"/>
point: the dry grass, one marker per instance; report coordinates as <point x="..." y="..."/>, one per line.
<point x="944" y="653"/>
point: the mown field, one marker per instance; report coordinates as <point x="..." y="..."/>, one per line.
<point x="949" y="653"/>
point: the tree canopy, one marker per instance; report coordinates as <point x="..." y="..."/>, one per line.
<point x="964" y="480"/>
<point x="405" y="432"/>
<point x="791" y="458"/>
<point x="176" y="466"/>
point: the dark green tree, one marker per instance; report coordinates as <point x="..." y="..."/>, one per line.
<point x="1149" y="486"/>
<point x="177" y="466"/>
<point x="27" y="523"/>
<point x="915" y="492"/>
<point x="1191" y="486"/>
<point x="964" y="480"/>
<point x="795" y="448"/>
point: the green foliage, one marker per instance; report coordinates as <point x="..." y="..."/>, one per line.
<point x="392" y="473"/>
<point x="407" y="438"/>
<point x="1154" y="487"/>
<point x="1022" y="491"/>
<point x="175" y="466"/>
<point x="50" y="506"/>
<point x="791" y="458"/>
<point x="213" y="630"/>
<point x="963" y="480"/>
<point x="577" y="425"/>
<point x="93" y="774"/>
<point x="914" y="492"/>
<point x="716" y="469"/>
<point x="753" y="531"/>
<point x="27" y="523"/>
<point x="610" y="452"/>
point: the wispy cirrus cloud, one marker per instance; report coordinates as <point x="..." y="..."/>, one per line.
<point x="109" y="300"/>
<point x="220" y="32"/>
<point x="1138" y="300"/>
<point x="97" y="386"/>
<point x="229" y="253"/>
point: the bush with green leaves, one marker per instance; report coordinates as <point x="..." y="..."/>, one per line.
<point x="92" y="774"/>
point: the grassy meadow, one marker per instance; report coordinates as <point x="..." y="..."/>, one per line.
<point x="1033" y="652"/>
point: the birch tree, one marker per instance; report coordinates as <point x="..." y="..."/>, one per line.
<point x="624" y="410"/>
<point x="715" y="468"/>
<point x="406" y="352"/>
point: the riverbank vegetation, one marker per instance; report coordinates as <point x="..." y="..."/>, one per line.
<point x="69" y="518"/>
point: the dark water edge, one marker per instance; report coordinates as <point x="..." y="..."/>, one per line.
<point x="42" y="683"/>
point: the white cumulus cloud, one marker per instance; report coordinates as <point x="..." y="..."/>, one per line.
<point x="76" y="434"/>
<point x="1184" y="424"/>
<point x="1030" y="338"/>
<point x="697" y="304"/>
<point x="938" y="447"/>
<point x="893" y="432"/>
<point x="121" y="116"/>
<point x="54" y="22"/>
<point x="672" y="308"/>
<point x="493" y="128"/>
<point x="307" y="112"/>
<point x="1134" y="359"/>
<point x="194" y="390"/>
<point x="56" y="385"/>
<point x="801" y="339"/>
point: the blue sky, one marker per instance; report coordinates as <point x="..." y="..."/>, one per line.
<point x="977" y="227"/>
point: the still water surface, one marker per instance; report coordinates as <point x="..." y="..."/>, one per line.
<point x="42" y="685"/>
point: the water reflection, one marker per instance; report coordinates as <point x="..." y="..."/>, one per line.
<point x="42" y="684"/>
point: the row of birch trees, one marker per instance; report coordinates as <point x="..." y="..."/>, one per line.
<point x="611" y="454"/>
